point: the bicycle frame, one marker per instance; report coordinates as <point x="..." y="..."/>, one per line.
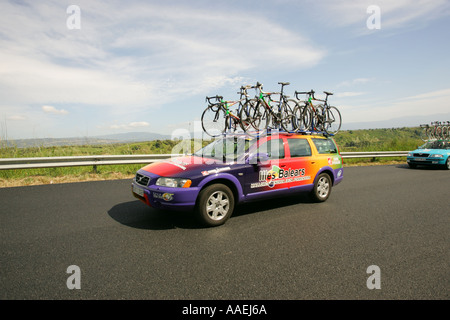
<point x="266" y="104"/>
<point x="309" y="103"/>
<point x="227" y="104"/>
<point x="323" y="113"/>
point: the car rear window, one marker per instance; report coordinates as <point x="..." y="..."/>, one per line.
<point x="299" y="148"/>
<point x="325" y="146"/>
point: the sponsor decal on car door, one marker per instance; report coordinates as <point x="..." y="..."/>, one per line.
<point x="267" y="176"/>
<point x="299" y="163"/>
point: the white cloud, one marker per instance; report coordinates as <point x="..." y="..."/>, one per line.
<point x="394" y="14"/>
<point x="123" y="54"/>
<point x="353" y="82"/>
<point x="349" y="94"/>
<point x="445" y="93"/>
<point x="16" y="117"/>
<point x="131" y="125"/>
<point x="31" y="81"/>
<point x="53" y="110"/>
<point x="139" y="124"/>
<point x="426" y="104"/>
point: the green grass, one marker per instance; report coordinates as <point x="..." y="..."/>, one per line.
<point x="68" y="174"/>
<point x="395" y="139"/>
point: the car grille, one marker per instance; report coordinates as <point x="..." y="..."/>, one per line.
<point x="419" y="155"/>
<point x="142" y="180"/>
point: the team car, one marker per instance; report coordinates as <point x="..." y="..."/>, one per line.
<point x="432" y="153"/>
<point x="236" y="169"/>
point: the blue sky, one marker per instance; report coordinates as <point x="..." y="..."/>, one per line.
<point x="148" y="65"/>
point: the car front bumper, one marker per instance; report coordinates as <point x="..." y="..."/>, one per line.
<point x="165" y="197"/>
<point x="425" y="161"/>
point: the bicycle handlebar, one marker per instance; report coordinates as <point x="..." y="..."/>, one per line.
<point x="218" y="98"/>
<point x="260" y="86"/>
<point x="310" y="93"/>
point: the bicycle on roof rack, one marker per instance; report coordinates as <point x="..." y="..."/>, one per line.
<point x="426" y="133"/>
<point x="218" y="118"/>
<point x="317" y="118"/>
<point x="446" y="130"/>
<point x="435" y="131"/>
<point x="266" y="114"/>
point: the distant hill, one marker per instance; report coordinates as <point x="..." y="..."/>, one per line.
<point x="133" y="137"/>
<point x="95" y="140"/>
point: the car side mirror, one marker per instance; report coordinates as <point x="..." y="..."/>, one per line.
<point x="256" y="158"/>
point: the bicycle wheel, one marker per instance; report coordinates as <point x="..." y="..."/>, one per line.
<point x="438" y="132"/>
<point x="301" y="117"/>
<point x="233" y="124"/>
<point x="213" y="120"/>
<point x="430" y="131"/>
<point x="423" y="135"/>
<point x="287" y="116"/>
<point x="255" y="116"/>
<point x="245" y="118"/>
<point x="274" y="117"/>
<point x="333" y="120"/>
<point x="317" y="118"/>
<point x="445" y="132"/>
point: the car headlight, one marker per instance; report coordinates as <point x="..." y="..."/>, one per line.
<point x="410" y="154"/>
<point x="173" y="182"/>
<point x="436" y="156"/>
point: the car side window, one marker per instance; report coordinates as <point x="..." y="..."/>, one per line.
<point x="299" y="148"/>
<point x="325" y="146"/>
<point x="274" y="148"/>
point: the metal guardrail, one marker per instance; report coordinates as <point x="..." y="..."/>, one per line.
<point x="78" y="161"/>
<point x="374" y="154"/>
<point x="94" y="161"/>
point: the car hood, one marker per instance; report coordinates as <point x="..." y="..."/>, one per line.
<point x="432" y="151"/>
<point x="186" y="167"/>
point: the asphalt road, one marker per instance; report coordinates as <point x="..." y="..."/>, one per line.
<point x="389" y="216"/>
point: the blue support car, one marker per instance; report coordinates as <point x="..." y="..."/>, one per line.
<point x="432" y="153"/>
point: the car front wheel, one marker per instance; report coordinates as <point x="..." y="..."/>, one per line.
<point x="215" y="205"/>
<point x="322" y="188"/>
<point x="447" y="164"/>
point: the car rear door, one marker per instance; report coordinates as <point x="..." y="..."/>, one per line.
<point x="299" y="169"/>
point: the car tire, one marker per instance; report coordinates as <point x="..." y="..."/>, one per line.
<point x="322" y="188"/>
<point x="447" y="164"/>
<point x="215" y="205"/>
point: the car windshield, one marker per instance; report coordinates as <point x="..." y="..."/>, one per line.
<point x="226" y="149"/>
<point x="437" y="144"/>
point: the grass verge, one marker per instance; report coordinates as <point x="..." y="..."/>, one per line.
<point x="33" y="177"/>
<point x="353" y="140"/>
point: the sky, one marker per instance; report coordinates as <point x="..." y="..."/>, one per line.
<point x="89" y="68"/>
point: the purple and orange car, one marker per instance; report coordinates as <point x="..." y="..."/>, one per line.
<point x="236" y="169"/>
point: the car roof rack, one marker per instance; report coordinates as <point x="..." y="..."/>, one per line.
<point x="277" y="131"/>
